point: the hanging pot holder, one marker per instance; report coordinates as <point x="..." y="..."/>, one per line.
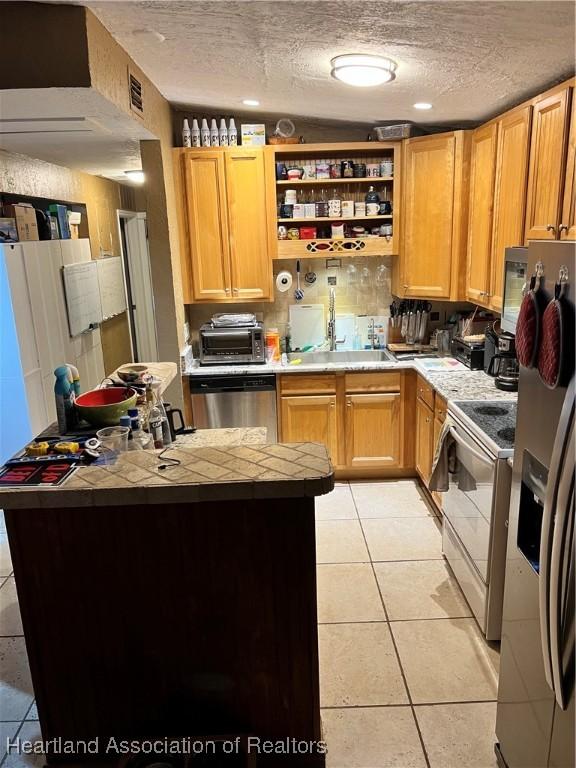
<point x="528" y="323"/>
<point x="556" y="348"/>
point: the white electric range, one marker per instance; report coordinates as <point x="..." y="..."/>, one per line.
<point x="476" y="505"/>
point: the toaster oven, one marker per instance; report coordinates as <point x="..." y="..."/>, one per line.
<point x="225" y="345"/>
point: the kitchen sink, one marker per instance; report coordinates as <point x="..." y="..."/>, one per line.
<point x="344" y="356"/>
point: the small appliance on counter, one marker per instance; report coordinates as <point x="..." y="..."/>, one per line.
<point x="469" y="351"/>
<point x="232" y="338"/>
<point x="504" y="364"/>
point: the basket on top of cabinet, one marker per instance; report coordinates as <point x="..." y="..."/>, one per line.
<point x="335" y="199"/>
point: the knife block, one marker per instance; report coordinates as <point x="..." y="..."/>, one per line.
<point x="394" y="334"/>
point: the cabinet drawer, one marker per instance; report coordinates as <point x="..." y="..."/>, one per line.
<point x="372" y="382"/>
<point x="307" y="384"/>
<point x="440" y="408"/>
<point x="425" y="392"/>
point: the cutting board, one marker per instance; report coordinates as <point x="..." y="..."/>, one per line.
<point x="307" y="326"/>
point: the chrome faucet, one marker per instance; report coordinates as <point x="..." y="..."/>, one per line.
<point x="332" y="320"/>
<point x="332" y="323"/>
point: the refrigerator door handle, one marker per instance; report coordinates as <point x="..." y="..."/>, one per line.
<point x="554" y="476"/>
<point x="562" y="524"/>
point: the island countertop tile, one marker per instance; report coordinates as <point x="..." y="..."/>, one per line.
<point x="215" y="473"/>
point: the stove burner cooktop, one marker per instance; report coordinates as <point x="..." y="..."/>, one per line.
<point x="508" y="434"/>
<point x="490" y="410"/>
<point x="496" y="419"/>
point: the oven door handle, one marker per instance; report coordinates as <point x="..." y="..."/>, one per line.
<point x="480" y="456"/>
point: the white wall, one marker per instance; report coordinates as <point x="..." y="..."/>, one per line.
<point x="35" y="277"/>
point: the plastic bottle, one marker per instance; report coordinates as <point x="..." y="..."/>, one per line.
<point x="195" y="135"/>
<point x="186" y="135"/>
<point x="223" y="133"/>
<point x="64" y="396"/>
<point x="205" y="133"/>
<point x="214" y="136"/>
<point x="140" y="437"/>
<point x="156" y="427"/>
<point x="232" y="133"/>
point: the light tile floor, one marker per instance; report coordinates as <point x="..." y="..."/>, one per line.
<point x="406" y="677"/>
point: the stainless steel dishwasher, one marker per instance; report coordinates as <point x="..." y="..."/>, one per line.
<point x="247" y="400"/>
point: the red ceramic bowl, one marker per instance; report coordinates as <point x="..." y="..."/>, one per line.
<point x="103" y="407"/>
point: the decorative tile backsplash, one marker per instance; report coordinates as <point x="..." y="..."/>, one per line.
<point x="362" y="288"/>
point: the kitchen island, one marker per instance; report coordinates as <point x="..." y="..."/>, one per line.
<point x="175" y="600"/>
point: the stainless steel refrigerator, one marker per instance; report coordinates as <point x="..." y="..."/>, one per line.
<point x="535" y="716"/>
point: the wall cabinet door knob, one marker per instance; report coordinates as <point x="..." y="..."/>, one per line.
<point x="550" y="228"/>
<point x="234" y="290"/>
<point x="563" y="228"/>
<point x="227" y="290"/>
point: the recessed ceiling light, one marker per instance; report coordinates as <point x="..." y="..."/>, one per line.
<point x="251" y="102"/>
<point x="363" y="70"/>
<point x="137" y="177"/>
<point x="422" y="105"/>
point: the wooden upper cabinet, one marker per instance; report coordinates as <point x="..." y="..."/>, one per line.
<point x="509" y="194"/>
<point x="373" y="429"/>
<point x="434" y="213"/>
<point x="223" y="224"/>
<point x="482" y="176"/>
<point x="207" y="228"/>
<point x="547" y="158"/>
<point x="568" y="219"/>
<point x="251" y="267"/>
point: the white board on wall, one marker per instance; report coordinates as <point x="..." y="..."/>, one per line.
<point x="112" y="291"/>
<point x="82" y="296"/>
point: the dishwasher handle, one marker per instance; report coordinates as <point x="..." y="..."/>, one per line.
<point x="207" y="385"/>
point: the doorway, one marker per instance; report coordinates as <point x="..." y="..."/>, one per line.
<point x="138" y="281"/>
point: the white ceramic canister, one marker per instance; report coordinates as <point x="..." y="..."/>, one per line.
<point x="337" y="229"/>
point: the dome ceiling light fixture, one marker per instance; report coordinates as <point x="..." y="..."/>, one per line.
<point x="363" y="69"/>
<point x="422" y="105"/>
<point x="137" y="176"/>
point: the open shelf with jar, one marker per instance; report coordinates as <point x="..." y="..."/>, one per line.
<point x="335" y="198"/>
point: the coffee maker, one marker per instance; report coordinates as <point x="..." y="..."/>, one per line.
<point x="504" y="364"/>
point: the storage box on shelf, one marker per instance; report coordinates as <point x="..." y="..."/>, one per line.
<point x="379" y="161"/>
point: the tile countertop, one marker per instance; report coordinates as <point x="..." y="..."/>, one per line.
<point x="219" y="472"/>
<point x="452" y="385"/>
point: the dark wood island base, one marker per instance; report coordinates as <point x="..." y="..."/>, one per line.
<point x="191" y="619"/>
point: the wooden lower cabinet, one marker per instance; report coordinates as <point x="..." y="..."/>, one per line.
<point x="424" y="439"/>
<point x="373" y="430"/>
<point x="364" y="419"/>
<point x="310" y="418"/>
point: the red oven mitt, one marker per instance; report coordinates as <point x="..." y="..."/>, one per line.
<point x="528" y="323"/>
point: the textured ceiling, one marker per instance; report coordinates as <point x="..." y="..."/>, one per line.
<point x="470" y="59"/>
